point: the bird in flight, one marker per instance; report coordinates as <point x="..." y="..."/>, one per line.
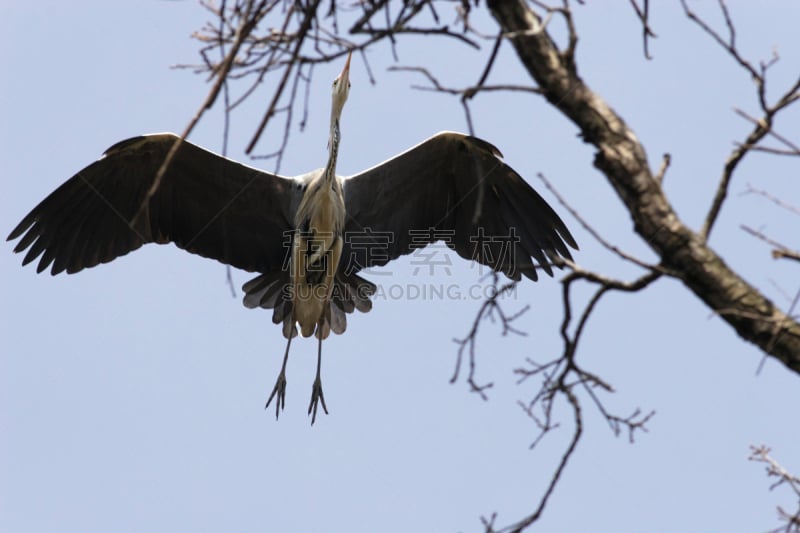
<point x="306" y="236"/>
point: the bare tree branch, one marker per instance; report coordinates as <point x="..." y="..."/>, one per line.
<point x="490" y="308"/>
<point x="762" y="127"/>
<point x="572" y="399"/>
<point x="309" y="15"/>
<point x="643" y="14"/>
<point x="793" y="149"/>
<point x="242" y="32"/>
<point x="622" y="159"/>
<point x="466" y="94"/>
<point x="761" y="454"/>
<point x="777" y="201"/>
<point x="779" y="251"/>
<point x="589" y="228"/>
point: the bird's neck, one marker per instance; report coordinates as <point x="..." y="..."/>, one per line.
<point x="329" y="175"/>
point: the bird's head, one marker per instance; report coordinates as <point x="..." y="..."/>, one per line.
<point x="341" y="88"/>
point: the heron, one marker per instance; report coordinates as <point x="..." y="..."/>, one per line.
<point x="307" y="237"/>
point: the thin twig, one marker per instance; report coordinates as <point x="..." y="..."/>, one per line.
<point x="247" y="25"/>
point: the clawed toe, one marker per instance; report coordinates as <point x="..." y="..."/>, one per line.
<point x="316" y="397"/>
<point x="280" y="391"/>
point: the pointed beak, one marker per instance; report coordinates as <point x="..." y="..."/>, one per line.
<point x="345" y="75"/>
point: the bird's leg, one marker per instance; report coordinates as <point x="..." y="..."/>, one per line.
<point x="316" y="389"/>
<point x="280" y="384"/>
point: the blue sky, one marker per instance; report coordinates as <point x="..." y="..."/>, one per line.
<point x="132" y="394"/>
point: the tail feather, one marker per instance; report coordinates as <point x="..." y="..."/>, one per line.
<point x="271" y="291"/>
<point x="289" y="327"/>
<point x="258" y="290"/>
<point x="353" y="291"/>
<point x="338" y="319"/>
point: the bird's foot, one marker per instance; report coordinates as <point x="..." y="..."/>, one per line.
<point x="280" y="391"/>
<point x="316" y="398"/>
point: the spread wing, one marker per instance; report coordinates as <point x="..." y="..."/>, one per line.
<point x="453" y="188"/>
<point x="206" y="204"/>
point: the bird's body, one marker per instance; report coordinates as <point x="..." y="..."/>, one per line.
<point x="316" y="252"/>
<point x="319" y="227"/>
<point x="307" y="237"/>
